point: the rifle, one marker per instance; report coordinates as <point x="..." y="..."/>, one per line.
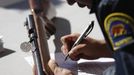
<point x="36" y="26"/>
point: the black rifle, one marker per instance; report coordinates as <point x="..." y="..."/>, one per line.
<point x="35" y="24"/>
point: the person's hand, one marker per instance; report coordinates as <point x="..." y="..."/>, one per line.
<point x="58" y="70"/>
<point x="55" y="69"/>
<point x="81" y="3"/>
<point x="88" y="49"/>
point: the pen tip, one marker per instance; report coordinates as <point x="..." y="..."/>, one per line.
<point x="66" y="57"/>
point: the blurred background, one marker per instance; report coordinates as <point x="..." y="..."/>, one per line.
<point x="13" y="14"/>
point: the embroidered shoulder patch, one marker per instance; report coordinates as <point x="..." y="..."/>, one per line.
<point x="119" y="29"/>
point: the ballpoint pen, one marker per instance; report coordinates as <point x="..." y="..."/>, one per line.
<point x="82" y="36"/>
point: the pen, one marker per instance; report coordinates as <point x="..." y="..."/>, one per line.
<point x="82" y="36"/>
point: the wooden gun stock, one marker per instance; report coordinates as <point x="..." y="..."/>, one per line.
<point x="37" y="10"/>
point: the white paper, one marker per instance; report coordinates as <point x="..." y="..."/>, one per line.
<point x="82" y="67"/>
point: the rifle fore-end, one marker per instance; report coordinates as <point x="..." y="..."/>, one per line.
<point x="39" y="6"/>
<point x="36" y="11"/>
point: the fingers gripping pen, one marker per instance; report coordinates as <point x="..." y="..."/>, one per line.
<point x="81" y="37"/>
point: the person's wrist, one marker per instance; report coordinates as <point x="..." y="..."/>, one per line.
<point x="105" y="50"/>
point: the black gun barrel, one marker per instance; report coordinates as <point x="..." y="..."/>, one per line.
<point x="33" y="40"/>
